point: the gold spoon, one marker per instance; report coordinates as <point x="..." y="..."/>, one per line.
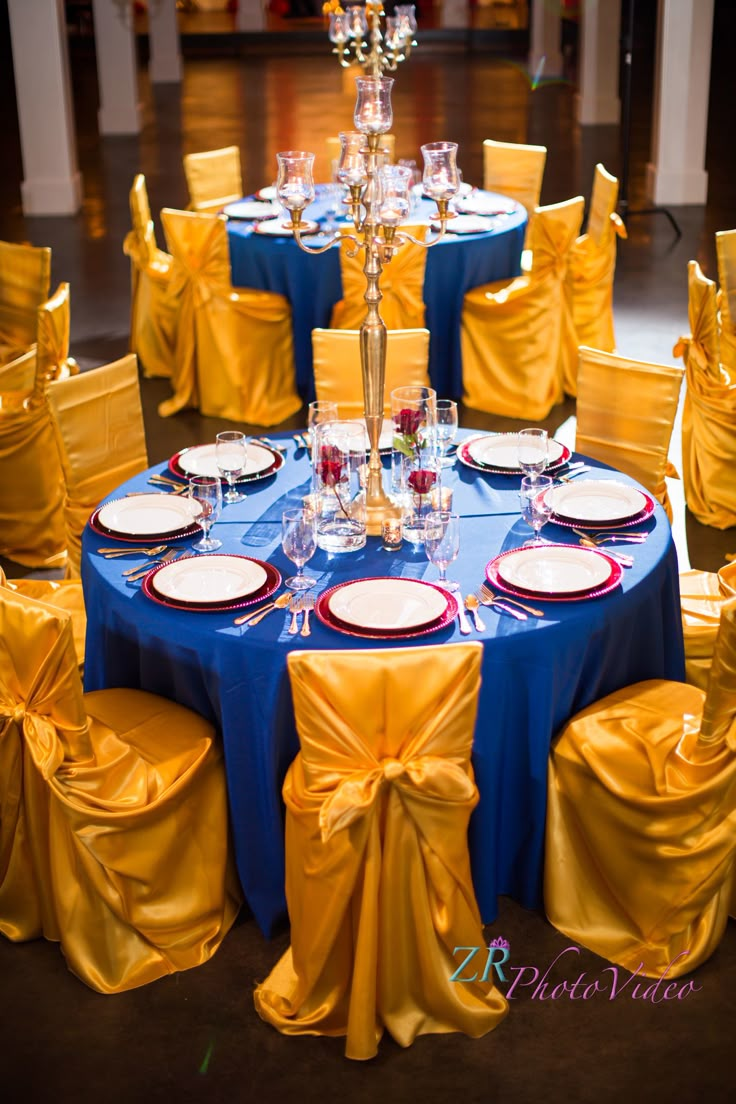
<point x="113" y="553"/>
<point x="254" y="616"/>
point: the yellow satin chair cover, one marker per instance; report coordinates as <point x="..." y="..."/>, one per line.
<point x="591" y="272"/>
<point x="515" y="170"/>
<point x="234" y="346"/>
<point x="641" y="820"/>
<point x="113" y="814"/>
<point x="702" y="597"/>
<point x="32" y="530"/>
<point x="52" y="337"/>
<point x="213" y="178"/>
<point x="337" y="368"/>
<point x="25" y="277"/>
<point x="378" y="877"/>
<point x="709" y="411"/>
<point x="625" y="412"/>
<point x="63" y="594"/>
<point x="101" y="440"/>
<point x="401" y="283"/>
<point x="152" y="313"/>
<point x="726" y="254"/>
<point x="515" y="334"/>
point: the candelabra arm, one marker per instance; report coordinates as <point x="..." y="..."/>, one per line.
<point x="337" y="236"/>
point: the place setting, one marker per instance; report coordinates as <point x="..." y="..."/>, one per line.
<point x="514" y="454"/>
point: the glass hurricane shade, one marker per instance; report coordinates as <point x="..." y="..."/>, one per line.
<point x="295" y="180"/>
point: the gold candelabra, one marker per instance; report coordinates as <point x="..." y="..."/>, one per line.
<point x="378" y="200"/>
<point x="356" y="32"/>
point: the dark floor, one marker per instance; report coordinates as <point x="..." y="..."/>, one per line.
<point x="195" y="1036"/>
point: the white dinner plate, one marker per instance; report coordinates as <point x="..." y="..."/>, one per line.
<point x="281" y="228"/>
<point x="202" y="460"/>
<point x="466" y="224"/>
<point x="268" y="193"/>
<point x="147" y="513"/>
<point x="484" y="203"/>
<point x="252" y="209"/>
<point x="554" y="569"/>
<point x="502" y="451"/>
<point x="596" y="500"/>
<point x="206" y="579"/>
<point x="387" y="604"/>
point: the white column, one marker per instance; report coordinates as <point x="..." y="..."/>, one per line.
<point x="545" y="57"/>
<point x="164" y="64"/>
<point x="598" y="101"/>
<point x="453" y="13"/>
<point x="676" y="172"/>
<point x="117" y="74"/>
<point x="51" y="182"/>
<point x="251" y="15"/>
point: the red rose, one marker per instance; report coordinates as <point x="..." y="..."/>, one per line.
<point x="422" y="481"/>
<point x="408" y="422"/>
<point x="330" y="465"/>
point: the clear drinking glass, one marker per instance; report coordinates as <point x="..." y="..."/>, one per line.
<point x="532" y="451"/>
<point x="317" y="414"/>
<point x="536" y="506"/>
<point x="442" y="543"/>
<point x="205" y="492"/>
<point x="299" y="542"/>
<point x="231" y="455"/>
<point x="446" y="428"/>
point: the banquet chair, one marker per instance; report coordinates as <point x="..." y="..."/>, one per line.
<point x="401" y="284"/>
<point x="709" y="411"/>
<point x="62" y="594"/>
<point x="25" y="278"/>
<point x="625" y="413"/>
<point x="234" y="346"/>
<point x="514" y="333"/>
<point x="101" y="441"/>
<point x="113" y="814"/>
<point x="702" y="597"/>
<point x="591" y="272"/>
<point x="213" y="178"/>
<point x="152" y="314"/>
<point x="516" y="170"/>
<point x="52" y="337"/>
<point x="641" y="820"/>
<point x="378" y="880"/>
<point x="726" y="254"/>
<point x="337" y="366"/>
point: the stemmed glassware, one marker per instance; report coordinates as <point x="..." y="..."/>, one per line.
<point x="445" y="428"/>
<point x="299" y="542"/>
<point x="231" y="456"/>
<point x="205" y="492"/>
<point x="442" y="543"/>
<point x="536" y="506"/>
<point x="532" y="451"/>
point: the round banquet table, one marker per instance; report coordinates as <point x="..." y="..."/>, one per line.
<point x="536" y="673"/>
<point x="313" y="284"/>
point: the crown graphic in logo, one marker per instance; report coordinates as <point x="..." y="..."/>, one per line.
<point x="500" y="942"/>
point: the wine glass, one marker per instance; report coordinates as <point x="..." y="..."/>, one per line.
<point x="205" y="492"/>
<point x="442" y="543"/>
<point x="318" y="413"/>
<point x="532" y="451"/>
<point x="536" y="505"/>
<point x="299" y="542"/>
<point x="445" y="428"/>
<point x="231" y="455"/>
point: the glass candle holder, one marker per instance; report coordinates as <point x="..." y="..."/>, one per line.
<point x="392" y="533"/>
<point x="351" y="167"/>
<point x="394" y="182"/>
<point x="441" y="180"/>
<point x="295" y="180"/>
<point x="338" y="31"/>
<point x="441" y="497"/>
<point x="373" y="111"/>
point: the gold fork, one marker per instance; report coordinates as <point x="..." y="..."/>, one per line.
<point x="307" y="606"/>
<point x="485" y="592"/>
<point x="167" y="558"/>
<point x="495" y="603"/>
<point x="113" y="553"/>
<point x="256" y="615"/>
<point x="295" y="608"/>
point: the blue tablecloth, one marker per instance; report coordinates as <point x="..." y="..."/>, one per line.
<point x="313" y="284"/>
<point x="536" y="673"/>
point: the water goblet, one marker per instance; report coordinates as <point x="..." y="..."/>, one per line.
<point x="445" y="428"/>
<point x="205" y="491"/>
<point x="532" y="451"/>
<point x="299" y="542"/>
<point x="442" y="543"/>
<point x="536" y="505"/>
<point x="231" y="455"/>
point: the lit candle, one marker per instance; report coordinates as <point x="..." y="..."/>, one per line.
<point x="391" y="533"/>
<point x="441" y="498"/>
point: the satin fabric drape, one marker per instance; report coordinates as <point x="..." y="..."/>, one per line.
<point x="401" y="283"/>
<point x="234" y="346"/>
<point x="337" y="368"/>
<point x="515" y="170"/>
<point x="101" y="440"/>
<point x="64" y="594"/>
<point x="213" y="178"/>
<point x="152" y="314"/>
<point x="515" y="335"/>
<point x="641" y="826"/>
<point x="25" y="278"/>
<point x="113" y="816"/>
<point x="377" y="871"/>
<point x="709" y="411"/>
<point x="726" y="253"/>
<point x="702" y="597"/>
<point x="52" y="337"/>
<point x="625" y="413"/>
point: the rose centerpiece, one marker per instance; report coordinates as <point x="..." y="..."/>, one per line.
<point x="339" y="459"/>
<point x="414" y="463"/>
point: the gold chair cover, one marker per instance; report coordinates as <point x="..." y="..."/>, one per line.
<point x="32" y="529"/>
<point x="337" y="368"/>
<point x="726" y="253"/>
<point x="213" y="178"/>
<point x="641" y="820"/>
<point x="25" y="278"/>
<point x="591" y="272"/>
<point x="152" y="312"/>
<point x="515" y="170"/>
<point x="377" y="871"/>
<point x="514" y="334"/>
<point x="709" y="411"/>
<point x="702" y="597"/>
<point x="63" y="594"/>
<point x="113" y="814"/>
<point x="401" y="283"/>
<point x="101" y="440"/>
<point x="52" y="337"/>
<point x="234" y="346"/>
<point x="625" y="412"/>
